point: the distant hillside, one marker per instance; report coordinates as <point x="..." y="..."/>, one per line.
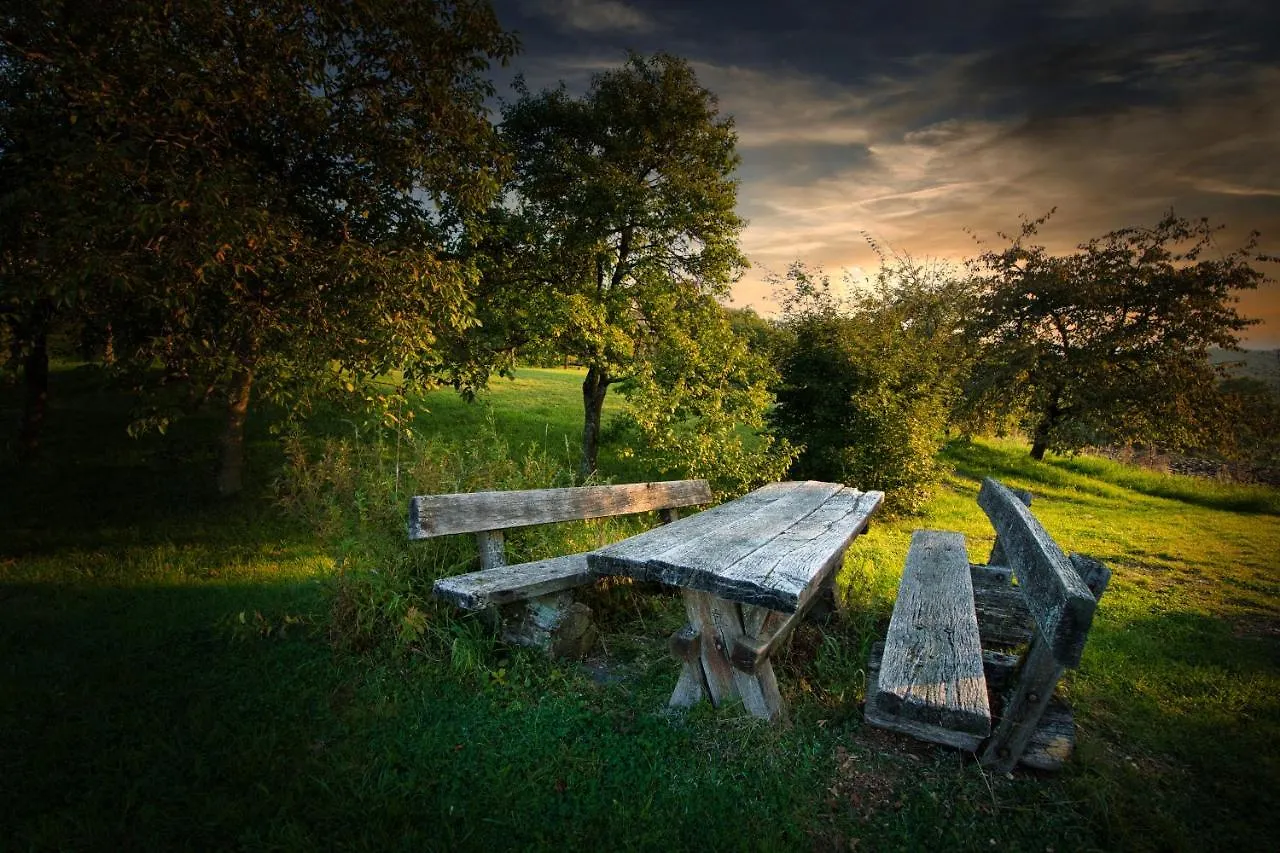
<point x="1261" y="364"/>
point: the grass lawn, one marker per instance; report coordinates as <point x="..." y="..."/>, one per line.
<point x="167" y="678"/>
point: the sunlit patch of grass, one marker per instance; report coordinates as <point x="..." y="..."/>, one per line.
<point x="172" y="677"/>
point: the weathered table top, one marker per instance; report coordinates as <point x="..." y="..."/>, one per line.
<point x="771" y="548"/>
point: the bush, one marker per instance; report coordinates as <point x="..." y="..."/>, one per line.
<point x="867" y="384"/>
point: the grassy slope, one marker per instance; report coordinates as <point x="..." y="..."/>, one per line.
<point x="164" y="680"/>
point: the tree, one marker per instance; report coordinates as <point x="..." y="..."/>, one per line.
<point x="868" y="382"/>
<point x="620" y="216"/>
<point x="260" y="201"/>
<point x="1110" y="344"/>
<point x="699" y="408"/>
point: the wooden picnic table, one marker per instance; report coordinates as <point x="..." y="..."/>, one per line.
<point x="749" y="568"/>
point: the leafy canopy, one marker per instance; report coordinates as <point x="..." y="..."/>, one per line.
<point x="1110" y="343"/>
<point x="617" y="232"/>
<point x="250" y="196"/>
<point x="868" y="381"/>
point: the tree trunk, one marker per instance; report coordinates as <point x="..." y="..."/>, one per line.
<point x="1044" y="429"/>
<point x="231" y="466"/>
<point x="35" y="375"/>
<point x="594" y="387"/>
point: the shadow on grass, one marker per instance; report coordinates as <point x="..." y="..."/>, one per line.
<point x="150" y="718"/>
<point x="92" y="485"/>
<point x="1190" y="703"/>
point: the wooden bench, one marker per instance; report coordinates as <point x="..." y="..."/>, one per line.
<point x="950" y="662"/>
<point x="533" y="602"/>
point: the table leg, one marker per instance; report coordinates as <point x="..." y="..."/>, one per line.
<point x="719" y="624"/>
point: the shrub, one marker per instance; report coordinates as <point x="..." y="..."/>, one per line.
<point x="867" y="383"/>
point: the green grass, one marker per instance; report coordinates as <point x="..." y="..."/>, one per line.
<point x="168" y="680"/>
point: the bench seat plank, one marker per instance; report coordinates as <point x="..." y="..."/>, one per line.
<point x="931" y="674"/>
<point x="507" y="584"/>
<point x="1050" y="745"/>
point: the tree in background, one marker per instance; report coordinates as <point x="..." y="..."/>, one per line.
<point x="1109" y="345"/>
<point x="618" y="224"/>
<point x="699" y="408"/>
<point x="868" y="381"/>
<point x="261" y="202"/>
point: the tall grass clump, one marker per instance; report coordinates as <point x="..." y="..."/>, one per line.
<point x="354" y="494"/>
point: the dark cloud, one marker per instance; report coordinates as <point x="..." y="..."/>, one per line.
<point x="914" y="121"/>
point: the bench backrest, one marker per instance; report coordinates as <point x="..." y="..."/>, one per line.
<point x="1057" y="595"/>
<point x="476" y="512"/>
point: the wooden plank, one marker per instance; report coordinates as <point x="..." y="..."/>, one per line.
<point x="717" y="674"/>
<point x="632" y="556"/>
<point x="685" y="644"/>
<point x="702" y="562"/>
<point x="721" y="622"/>
<point x="690" y="689"/>
<point x="1023" y="708"/>
<point x="997" y="557"/>
<point x="774" y="556"/>
<point x="1003" y="617"/>
<point x="1053" y="740"/>
<point x="991" y="576"/>
<point x="1058" y="599"/>
<point x="923" y="731"/>
<point x="492" y="549"/>
<point x="503" y="585"/>
<point x="998" y="668"/>
<point x="790" y="568"/>
<point x="471" y="512"/>
<point x="932" y="668"/>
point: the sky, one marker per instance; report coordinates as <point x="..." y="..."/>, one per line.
<point x="931" y="125"/>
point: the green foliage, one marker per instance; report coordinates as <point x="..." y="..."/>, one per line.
<point x="868" y="382"/>
<point x="699" y="408"/>
<point x="1253" y="418"/>
<point x="762" y="337"/>
<point x="1110" y="345"/>
<point x="260" y="203"/>
<point x="618" y="221"/>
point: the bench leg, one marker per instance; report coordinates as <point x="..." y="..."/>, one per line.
<point x="719" y="624"/>
<point x="1023" y="709"/>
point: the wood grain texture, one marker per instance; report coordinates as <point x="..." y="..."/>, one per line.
<point x="1003" y="617"/>
<point x="631" y="556"/>
<point x="719" y="623"/>
<point x="931" y="672"/>
<point x="772" y="548"/>
<point x="1050" y="745"/>
<point x="786" y="571"/>
<point x="471" y="512"/>
<point x="923" y="731"/>
<point x="685" y="644"/>
<point x="492" y="548"/>
<point x="997" y="557"/>
<point x="506" y="584"/>
<point x="1023" y="708"/>
<point x="1053" y="740"/>
<point x="1058" y="599"/>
